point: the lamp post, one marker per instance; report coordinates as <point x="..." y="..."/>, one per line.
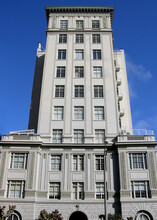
<point x="105" y="185"/>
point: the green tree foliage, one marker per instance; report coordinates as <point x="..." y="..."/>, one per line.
<point x="4" y="214"/>
<point x="44" y="215"/>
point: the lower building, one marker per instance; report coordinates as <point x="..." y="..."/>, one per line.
<point x="36" y="176"/>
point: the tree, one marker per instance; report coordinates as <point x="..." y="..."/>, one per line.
<point x="44" y="215"/>
<point x="4" y="214"/>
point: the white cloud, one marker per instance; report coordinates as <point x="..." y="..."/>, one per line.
<point x="132" y="92"/>
<point x="137" y="70"/>
<point x="148" y="123"/>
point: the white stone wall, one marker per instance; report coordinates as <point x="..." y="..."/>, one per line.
<point x="48" y="100"/>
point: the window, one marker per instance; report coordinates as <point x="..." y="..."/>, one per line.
<point x="100" y="136"/>
<point x="97" y="72"/>
<point x="78" y="191"/>
<point x="56" y="162"/>
<point x="99" y="113"/>
<point x="138" y="161"/>
<point x="79" y="136"/>
<point x="18" y="160"/>
<point x="78" y="162"/>
<point x="79" y="55"/>
<point x="78" y="112"/>
<point x="58" y="112"/>
<point x="60" y="72"/>
<point x="63" y="24"/>
<point x="97" y="54"/>
<point x="79" y="91"/>
<point x="95" y="24"/>
<point x="79" y="71"/>
<point x="79" y="38"/>
<point x="79" y="24"/>
<point x="62" y="38"/>
<point x="57" y="136"/>
<point x="54" y="191"/>
<point x="99" y="162"/>
<point x="15" y="189"/>
<point x="98" y="91"/>
<point x="99" y="191"/>
<point x="96" y="38"/>
<point x="140" y="189"/>
<point x="61" y="54"/>
<point x="59" y="92"/>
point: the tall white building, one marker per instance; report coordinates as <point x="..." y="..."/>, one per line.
<point x="80" y="129"/>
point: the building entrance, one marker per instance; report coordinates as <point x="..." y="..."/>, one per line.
<point x="78" y="216"/>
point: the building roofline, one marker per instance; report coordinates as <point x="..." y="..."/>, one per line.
<point x="78" y="9"/>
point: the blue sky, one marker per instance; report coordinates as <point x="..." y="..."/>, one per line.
<point x="23" y="25"/>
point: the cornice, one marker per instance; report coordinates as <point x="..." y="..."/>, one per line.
<point x="80" y="10"/>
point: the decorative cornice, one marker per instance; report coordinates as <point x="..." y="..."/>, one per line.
<point x="80" y="10"/>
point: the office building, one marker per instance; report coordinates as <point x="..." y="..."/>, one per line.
<point x="80" y="142"/>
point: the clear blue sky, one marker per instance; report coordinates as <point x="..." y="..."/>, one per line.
<point x="23" y="25"/>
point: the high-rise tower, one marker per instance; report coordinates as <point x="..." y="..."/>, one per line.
<point x="80" y="154"/>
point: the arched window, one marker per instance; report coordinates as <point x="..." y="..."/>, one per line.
<point x="78" y="216"/>
<point x="15" y="216"/>
<point x="143" y="215"/>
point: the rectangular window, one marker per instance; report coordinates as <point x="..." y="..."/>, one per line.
<point x="78" y="112"/>
<point x="98" y="91"/>
<point x="63" y="24"/>
<point x="61" y="54"/>
<point x="97" y="72"/>
<point x="58" y="112"/>
<point x="15" y="189"/>
<point x="78" y="191"/>
<point x="79" y="91"/>
<point x="56" y="162"/>
<point x="59" y="91"/>
<point x="99" y="162"/>
<point x="63" y="38"/>
<point x="54" y="191"/>
<point x="99" y="136"/>
<point x="79" y="136"/>
<point x="79" y="71"/>
<point x="79" y="54"/>
<point x="138" y="161"/>
<point x="95" y="24"/>
<point x="57" y="136"/>
<point x="96" y="38"/>
<point x="99" y="113"/>
<point x="19" y="161"/>
<point x="140" y="189"/>
<point x="79" y="38"/>
<point x="97" y="54"/>
<point x="60" y="72"/>
<point x="78" y="162"/>
<point x="79" y="24"/>
<point x="99" y="191"/>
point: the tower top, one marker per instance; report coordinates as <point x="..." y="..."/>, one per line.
<point x="80" y="10"/>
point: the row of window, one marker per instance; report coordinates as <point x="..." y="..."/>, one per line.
<point x="78" y="91"/>
<point x="136" y="160"/>
<point x="78" y="113"/>
<point x="79" y="24"/>
<point x="77" y="162"/>
<point x="79" y="72"/>
<point x="16" y="189"/>
<point x="57" y="135"/>
<point x="79" y="38"/>
<point x="79" y="54"/>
